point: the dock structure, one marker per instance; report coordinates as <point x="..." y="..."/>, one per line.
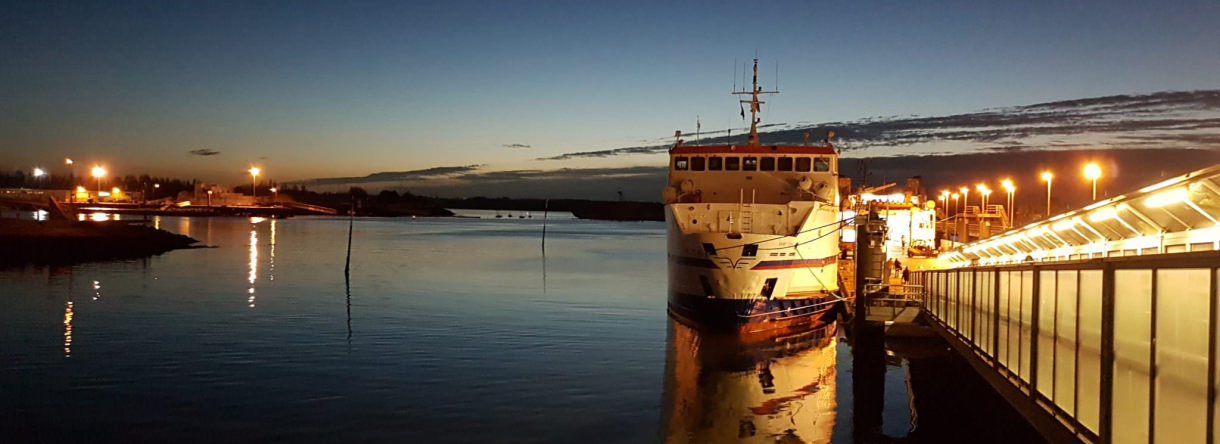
<point x="60" y="205"/>
<point x="1099" y="325"/>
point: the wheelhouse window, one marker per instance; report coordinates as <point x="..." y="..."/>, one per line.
<point x="766" y="164"/>
<point x="715" y="163"/>
<point x="732" y="163"/>
<point x="803" y="164"/>
<point x="749" y="164"/>
<point x="681" y="163"/>
<point x="785" y="164"/>
<point x="821" y="164"/>
<point x="697" y="163"/>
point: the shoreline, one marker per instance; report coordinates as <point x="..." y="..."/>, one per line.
<point x="30" y="242"/>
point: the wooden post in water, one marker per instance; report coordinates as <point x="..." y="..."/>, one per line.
<point x="347" y="267"/>
<point x="351" y="218"/>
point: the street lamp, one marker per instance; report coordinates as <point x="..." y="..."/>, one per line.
<point x="1093" y="172"/>
<point x="983" y="197"/>
<point x="965" y="198"/>
<point x="275" y="194"/>
<point x="1048" y="177"/>
<point x="254" y="181"/>
<point x="98" y="172"/>
<point x="1010" y="189"/>
<point x="38" y="173"/>
<point x="956" y="199"/>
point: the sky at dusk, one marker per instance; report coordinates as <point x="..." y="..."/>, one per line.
<point x="330" y="89"/>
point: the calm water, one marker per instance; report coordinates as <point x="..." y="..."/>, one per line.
<point x="452" y="330"/>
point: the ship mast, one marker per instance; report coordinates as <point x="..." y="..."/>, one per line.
<point x="755" y="105"/>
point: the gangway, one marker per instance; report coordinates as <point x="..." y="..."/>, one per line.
<point x="1100" y="324"/>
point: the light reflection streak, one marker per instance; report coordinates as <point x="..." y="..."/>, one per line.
<point x="271" y="261"/>
<point x="68" y="330"/>
<point x="97" y="290"/>
<point x="157" y="222"/>
<point x="253" y="265"/>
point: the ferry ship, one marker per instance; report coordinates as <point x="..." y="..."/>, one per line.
<point x="753" y="231"/>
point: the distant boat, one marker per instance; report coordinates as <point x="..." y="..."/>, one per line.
<point x="753" y="232"/>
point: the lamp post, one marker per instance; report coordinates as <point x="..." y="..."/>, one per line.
<point x="956" y="199"/>
<point x="965" y="198"/>
<point x="98" y="172"/>
<point x="38" y="173"/>
<point x="1093" y="172"/>
<point x="1048" y="177"/>
<point x="275" y="194"/>
<point x="1011" y="190"/>
<point x="254" y="182"/>
<point x="982" y="196"/>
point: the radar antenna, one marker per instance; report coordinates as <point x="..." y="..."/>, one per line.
<point x="755" y="105"/>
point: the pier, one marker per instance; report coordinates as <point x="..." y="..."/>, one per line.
<point x="1100" y="324"/>
<point x="59" y="204"/>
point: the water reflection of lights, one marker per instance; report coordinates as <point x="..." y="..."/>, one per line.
<point x="97" y="290"/>
<point x="68" y="330"/>
<point x="253" y="264"/>
<point x="271" y="260"/>
<point x="719" y="389"/>
<point x="257" y="220"/>
<point x="99" y="217"/>
<point x="156" y="222"/>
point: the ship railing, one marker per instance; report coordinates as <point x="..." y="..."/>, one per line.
<point x="898" y="296"/>
<point x="787" y="310"/>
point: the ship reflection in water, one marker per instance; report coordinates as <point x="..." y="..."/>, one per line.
<point x="719" y="389"/>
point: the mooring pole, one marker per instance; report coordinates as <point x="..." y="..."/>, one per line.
<point x="868" y="345"/>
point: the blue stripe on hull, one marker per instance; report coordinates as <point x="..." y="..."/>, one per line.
<point x="737" y="314"/>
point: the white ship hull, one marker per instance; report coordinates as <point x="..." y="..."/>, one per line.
<point x="752" y="267"/>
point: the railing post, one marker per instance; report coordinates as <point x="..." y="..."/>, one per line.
<point x="1211" y="358"/>
<point x="995" y="314"/>
<point x="1034" y="331"/>
<point x="1107" y="353"/>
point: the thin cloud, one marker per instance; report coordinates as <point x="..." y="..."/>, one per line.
<point x="391" y="176"/>
<point x="1173" y="118"/>
<point x="516" y="145"/>
<point x="204" y="152"/>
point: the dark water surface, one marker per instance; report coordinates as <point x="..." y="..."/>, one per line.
<point x="457" y="330"/>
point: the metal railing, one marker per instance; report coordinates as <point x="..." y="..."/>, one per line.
<point x="1115" y="350"/>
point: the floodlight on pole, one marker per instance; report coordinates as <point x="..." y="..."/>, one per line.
<point x="1048" y="177"/>
<point x="254" y="181"/>
<point x="98" y="173"/>
<point x="1093" y="172"/>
